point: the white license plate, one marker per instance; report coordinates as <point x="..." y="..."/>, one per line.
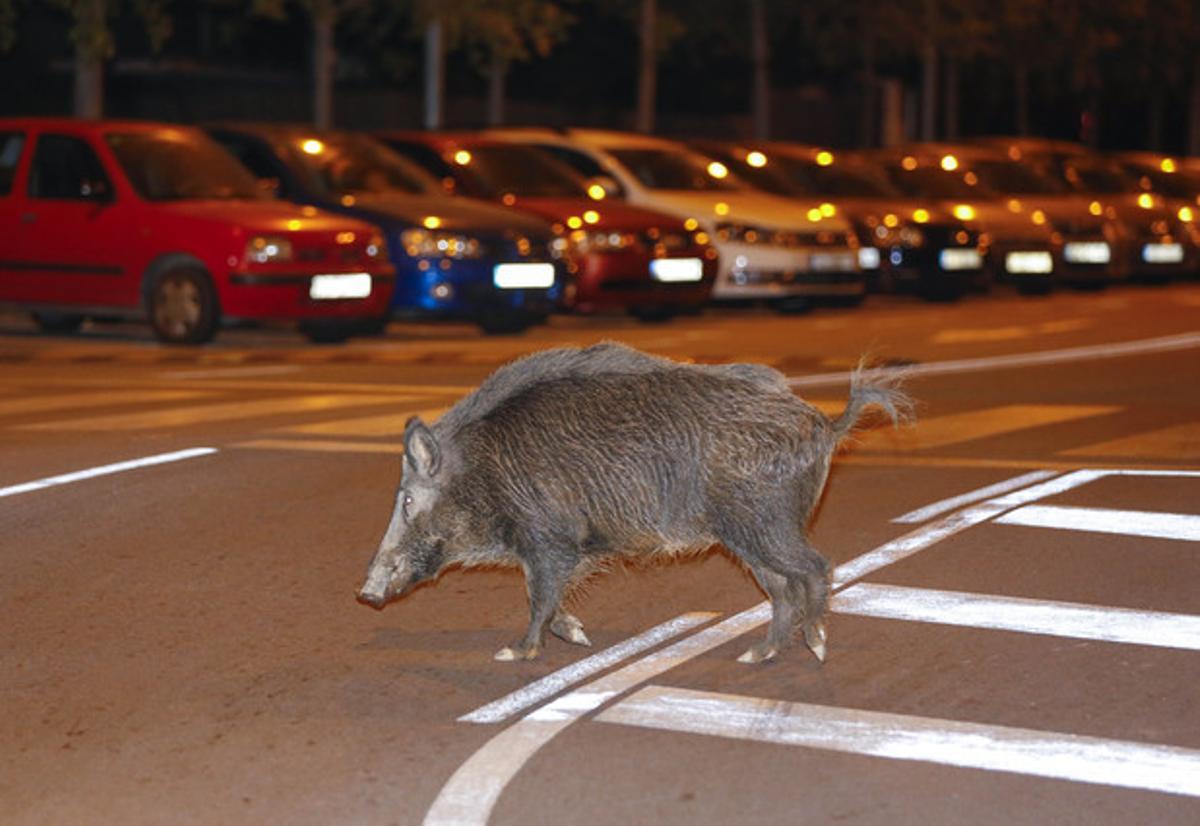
<point x="1029" y="262"/>
<point x="833" y="262"/>
<point x="523" y="276"/>
<point x="677" y="269"/>
<point x="345" y="285"/>
<point x="1087" y="252"/>
<point x="1162" y="253"/>
<point x="956" y="258"/>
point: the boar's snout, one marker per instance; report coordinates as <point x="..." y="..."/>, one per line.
<point x="375" y="600"/>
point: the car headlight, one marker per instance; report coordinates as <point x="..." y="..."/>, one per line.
<point x="424" y="243"/>
<point x="584" y="241"/>
<point x="743" y="234"/>
<point x="268" y="249"/>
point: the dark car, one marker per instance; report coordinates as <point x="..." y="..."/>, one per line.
<point x="454" y="257"/>
<point x="904" y="241"/>
<point x="121" y="218"/>
<point x="624" y="257"/>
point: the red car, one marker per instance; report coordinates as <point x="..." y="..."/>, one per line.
<point x="116" y="218"/>
<point x="623" y="257"/>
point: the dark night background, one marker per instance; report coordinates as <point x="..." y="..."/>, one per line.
<point x="1129" y="62"/>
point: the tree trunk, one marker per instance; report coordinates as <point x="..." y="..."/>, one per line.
<point x="434" y="77"/>
<point x="761" y="93"/>
<point x="648" y="70"/>
<point x="866" y="124"/>
<point x="1194" y="113"/>
<point x="323" y="57"/>
<point x="929" y="68"/>
<point x="497" y="75"/>
<point x="951" y="100"/>
<point x="89" y="60"/>
<point x="1021" y="96"/>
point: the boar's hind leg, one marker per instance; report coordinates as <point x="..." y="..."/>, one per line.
<point x="783" y="616"/>
<point x="544" y="583"/>
<point x="568" y="627"/>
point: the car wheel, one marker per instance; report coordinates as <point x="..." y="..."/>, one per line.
<point x="504" y="322"/>
<point x="653" y="313"/>
<point x="57" y="322"/>
<point x="182" y="305"/>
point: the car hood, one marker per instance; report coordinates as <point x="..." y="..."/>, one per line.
<point x="999" y="220"/>
<point x="759" y="209"/>
<point x="262" y="216"/>
<point x="609" y="213"/>
<point x="453" y="214"/>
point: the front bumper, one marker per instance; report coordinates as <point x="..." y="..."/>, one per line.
<point x="750" y="271"/>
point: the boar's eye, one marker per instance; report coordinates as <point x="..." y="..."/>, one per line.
<point x="405" y="504"/>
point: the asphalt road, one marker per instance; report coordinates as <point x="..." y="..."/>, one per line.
<point x="1015" y="636"/>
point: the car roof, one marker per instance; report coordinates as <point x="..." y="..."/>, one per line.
<point x="97" y="125"/>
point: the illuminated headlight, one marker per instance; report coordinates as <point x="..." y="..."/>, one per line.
<point x="1033" y="262"/>
<point x="743" y="234"/>
<point x="1087" y="252"/>
<point x="868" y="258"/>
<point x="960" y="258"/>
<point x="677" y="269"/>
<point x="584" y="241"/>
<point x="341" y="286"/>
<point x="424" y="243"/>
<point x="376" y="248"/>
<point x="268" y="249"/>
<point x="1162" y="253"/>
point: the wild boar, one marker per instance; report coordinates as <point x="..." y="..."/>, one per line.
<point x="570" y="457"/>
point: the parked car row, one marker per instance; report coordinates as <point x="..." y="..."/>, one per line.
<point x="340" y="231"/>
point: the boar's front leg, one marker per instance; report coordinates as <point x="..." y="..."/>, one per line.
<point x="568" y="627"/>
<point x="545" y="581"/>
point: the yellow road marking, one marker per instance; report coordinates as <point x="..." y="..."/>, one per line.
<point x="1180" y="442"/>
<point x="69" y="402"/>
<point x="387" y="424"/>
<point x="956" y="428"/>
<point x="1011" y="332"/>
<point x="209" y="413"/>
<point x="323" y="446"/>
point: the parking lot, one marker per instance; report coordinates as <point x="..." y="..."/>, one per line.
<point x="1013" y="636"/>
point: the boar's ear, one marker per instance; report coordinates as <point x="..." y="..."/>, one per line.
<point x="421" y="448"/>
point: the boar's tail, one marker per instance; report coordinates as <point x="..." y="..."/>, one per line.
<point x="874" y="388"/>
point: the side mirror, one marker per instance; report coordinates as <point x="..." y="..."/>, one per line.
<point x="611" y="188"/>
<point x="96" y="190"/>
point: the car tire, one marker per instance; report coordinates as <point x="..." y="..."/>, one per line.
<point x="57" y="322"/>
<point x="504" y="322"/>
<point x="182" y="305"/>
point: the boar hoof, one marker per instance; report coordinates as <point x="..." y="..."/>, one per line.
<point x="814" y="637"/>
<point x="508" y="654"/>
<point x="568" y="627"/>
<point x="759" y="653"/>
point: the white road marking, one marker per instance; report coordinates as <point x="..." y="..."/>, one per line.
<point x="1183" y="341"/>
<point x="1071" y="757"/>
<point x="533" y="693"/>
<point x="938" y="508"/>
<point x="471" y="792"/>
<point x="907" y="545"/>
<point x="1027" y="616"/>
<point x="1153" y="524"/>
<point x="232" y="372"/>
<point x="104" y="470"/>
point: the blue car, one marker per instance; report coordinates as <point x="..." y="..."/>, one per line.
<point x="454" y="257"/>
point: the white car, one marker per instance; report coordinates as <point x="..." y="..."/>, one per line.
<point x="770" y="247"/>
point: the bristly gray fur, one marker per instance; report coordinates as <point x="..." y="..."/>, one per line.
<point x="571" y="456"/>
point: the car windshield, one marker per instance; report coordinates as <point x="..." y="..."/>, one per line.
<point x="1010" y="178"/>
<point x="933" y="182"/>
<point x="500" y="169"/>
<point x="848" y="182"/>
<point x="181" y="165"/>
<point x="769" y="178"/>
<point x="1098" y="176"/>
<point x="339" y="165"/>
<point x="671" y="169"/>
<point x="1171" y="184"/>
